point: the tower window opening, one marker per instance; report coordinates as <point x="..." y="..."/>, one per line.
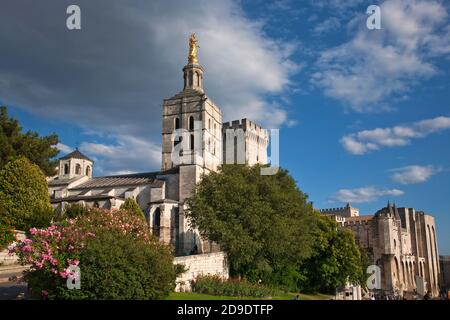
<point x="191" y="123"/>
<point x="191" y="78"/>
<point x="157" y="222"/>
<point x="177" y="123"/>
<point x="192" y="142"/>
<point x="78" y="169"/>
<point x="66" y="169"/>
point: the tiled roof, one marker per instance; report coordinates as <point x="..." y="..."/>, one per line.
<point x="122" y="180"/>
<point x="61" y="182"/>
<point x="75" y="155"/>
<point x="187" y="93"/>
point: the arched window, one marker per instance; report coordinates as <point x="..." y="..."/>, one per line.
<point x="78" y="169"/>
<point x="404" y="272"/>
<point x="397" y="269"/>
<point x="197" y="76"/>
<point x="191" y="123"/>
<point x="192" y="142"/>
<point x="66" y="168"/>
<point x="88" y="171"/>
<point x="157" y="222"/>
<point x="209" y="124"/>
<point x="191" y="78"/>
<point x="177" y="123"/>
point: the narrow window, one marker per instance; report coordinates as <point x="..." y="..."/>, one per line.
<point x="78" y="169"/>
<point x="88" y="171"/>
<point x="157" y="222"/>
<point x="191" y="79"/>
<point x="66" y="169"/>
<point x="191" y="123"/>
<point x="192" y="142"/>
<point x="177" y="123"/>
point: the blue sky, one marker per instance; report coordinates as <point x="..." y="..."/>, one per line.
<point x="364" y="115"/>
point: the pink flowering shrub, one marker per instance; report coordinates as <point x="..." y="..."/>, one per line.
<point x="76" y="242"/>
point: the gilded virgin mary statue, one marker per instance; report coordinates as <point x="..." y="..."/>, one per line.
<point x="192" y="58"/>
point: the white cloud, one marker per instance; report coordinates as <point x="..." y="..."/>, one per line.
<point x="368" y="140"/>
<point x="117" y="82"/>
<point x="413" y="174"/>
<point x="129" y="154"/>
<point x="327" y="25"/>
<point x="113" y="75"/>
<point x="377" y="64"/>
<point x="365" y="194"/>
<point x="64" y="148"/>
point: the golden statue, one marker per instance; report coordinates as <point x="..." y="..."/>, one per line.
<point x="192" y="58"/>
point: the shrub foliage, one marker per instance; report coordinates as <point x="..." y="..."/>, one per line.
<point x="117" y="257"/>
<point x="24" y="196"/>
<point x="216" y="286"/>
<point x="132" y="206"/>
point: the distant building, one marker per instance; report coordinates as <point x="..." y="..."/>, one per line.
<point x="401" y="241"/>
<point x="445" y="272"/>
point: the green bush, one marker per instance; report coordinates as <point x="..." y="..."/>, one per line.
<point x="24" y="195"/>
<point x="216" y="286"/>
<point x="75" y="210"/>
<point x="117" y="257"/>
<point x="7" y="235"/>
<point x="131" y="205"/>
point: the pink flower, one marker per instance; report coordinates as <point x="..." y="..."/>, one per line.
<point x="27" y="248"/>
<point x="44" y="293"/>
<point x="33" y="231"/>
<point x="63" y="274"/>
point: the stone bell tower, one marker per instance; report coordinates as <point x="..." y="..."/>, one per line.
<point x="191" y="142"/>
<point x="192" y="127"/>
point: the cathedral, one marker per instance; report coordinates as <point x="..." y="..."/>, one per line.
<point x="195" y="141"/>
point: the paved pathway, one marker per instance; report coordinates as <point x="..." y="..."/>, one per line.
<point x="11" y="290"/>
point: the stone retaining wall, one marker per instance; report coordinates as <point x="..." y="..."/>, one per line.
<point x="201" y="264"/>
<point x="5" y="258"/>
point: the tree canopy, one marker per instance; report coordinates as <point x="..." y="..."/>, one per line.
<point x="131" y="206"/>
<point x="24" y="200"/>
<point x="15" y="143"/>
<point x="336" y="259"/>
<point x="264" y="223"/>
<point x="271" y="232"/>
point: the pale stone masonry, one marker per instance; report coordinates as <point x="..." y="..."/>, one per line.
<point x="244" y="142"/>
<point x="401" y="241"/>
<point x="211" y="264"/>
<point x="192" y="145"/>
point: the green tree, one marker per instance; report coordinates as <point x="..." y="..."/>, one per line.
<point x="14" y="143"/>
<point x="24" y="195"/>
<point x="336" y="259"/>
<point x="74" y="210"/>
<point x="131" y="206"/>
<point x="264" y="223"/>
